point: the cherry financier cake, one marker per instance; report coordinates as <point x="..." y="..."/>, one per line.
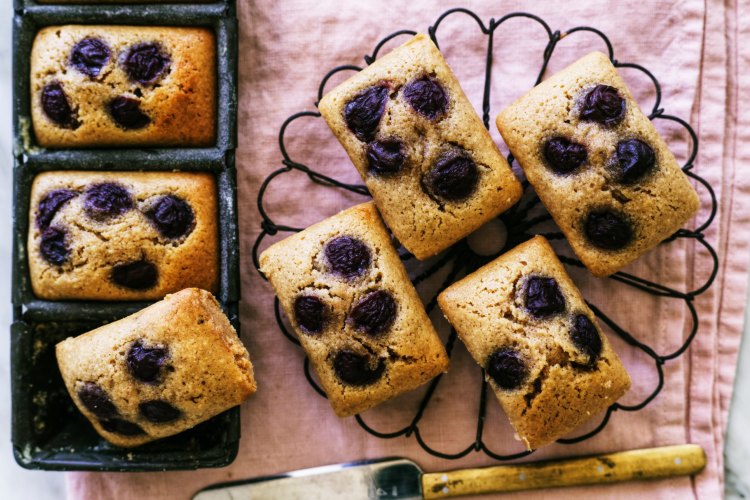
<point x="122" y="235"/>
<point x="526" y="324"/>
<point x="159" y="371"/>
<point x="123" y="86"/>
<point x="424" y="154"/>
<point x="346" y="293"/>
<point x="598" y="164"/>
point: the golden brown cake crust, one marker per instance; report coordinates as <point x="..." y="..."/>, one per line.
<point x="561" y="390"/>
<point x="206" y="371"/>
<point x="181" y="104"/>
<point x="97" y="245"/>
<point x="410" y="348"/>
<point x="424" y="225"/>
<point x="658" y="205"/>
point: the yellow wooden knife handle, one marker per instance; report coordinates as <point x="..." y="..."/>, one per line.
<point x="651" y="463"/>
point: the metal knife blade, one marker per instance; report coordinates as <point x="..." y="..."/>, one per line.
<point x="380" y="479"/>
<point x="398" y="478"/>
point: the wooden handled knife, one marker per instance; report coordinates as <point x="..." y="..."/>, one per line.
<point x="397" y="478"/>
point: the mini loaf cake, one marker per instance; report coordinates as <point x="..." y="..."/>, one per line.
<point x="159" y="371"/>
<point x="427" y="159"/>
<point x="526" y="324"/>
<point x="598" y="164"/>
<point x="97" y="86"/>
<point x="122" y="236"/>
<point x="356" y="314"/>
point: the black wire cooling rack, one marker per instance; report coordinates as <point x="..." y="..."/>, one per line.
<point x="520" y="222"/>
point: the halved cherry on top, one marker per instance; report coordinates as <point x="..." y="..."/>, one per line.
<point x="608" y="229"/>
<point x="106" y="200"/>
<point x="385" y="156"/>
<point x="427" y="97"/>
<point x="145" y="362"/>
<point x="635" y="160"/>
<point x="363" y="113"/>
<point x="357" y="369"/>
<point x="603" y="104"/>
<point x="89" y="56"/>
<point x="543" y="297"/>
<point x="159" y="411"/>
<point x="586" y="337"/>
<point x="453" y="177"/>
<point x="172" y="216"/>
<point x="347" y="256"/>
<point x="145" y="62"/>
<point x="54" y="245"/>
<point x="56" y="106"/>
<point x="564" y="156"/>
<point x="138" y="275"/>
<point x="374" y="313"/>
<point x="311" y="314"/>
<point x="126" y="112"/>
<point x="50" y="204"/>
<point x="507" y="368"/>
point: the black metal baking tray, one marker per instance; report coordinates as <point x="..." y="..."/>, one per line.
<point x="28" y="307"/>
<point x="220" y="17"/>
<point x="47" y="431"/>
<point x="50" y="433"/>
<point x="19" y="4"/>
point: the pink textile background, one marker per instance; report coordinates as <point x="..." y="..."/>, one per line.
<point x="693" y="47"/>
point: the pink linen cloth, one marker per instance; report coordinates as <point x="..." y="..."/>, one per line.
<point x="693" y="47"/>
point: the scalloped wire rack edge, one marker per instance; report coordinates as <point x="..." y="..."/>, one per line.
<point x="518" y="227"/>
